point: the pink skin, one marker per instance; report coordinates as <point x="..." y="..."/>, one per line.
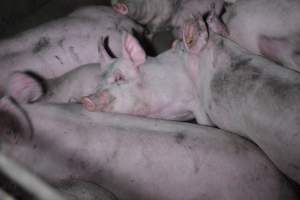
<point x="134" y="86"/>
<point x="103" y="99"/>
<point x="263" y="108"/>
<point x="59" y="46"/>
<point x="139" y="158"/>
<point x="121" y="8"/>
<point x="268" y="28"/>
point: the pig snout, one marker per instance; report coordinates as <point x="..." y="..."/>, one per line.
<point x="100" y="101"/>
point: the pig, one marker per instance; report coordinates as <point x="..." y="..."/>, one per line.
<point x="246" y="94"/>
<point x="29" y="87"/>
<point x="268" y="28"/>
<point x="143" y="88"/>
<point x="57" y="47"/>
<point x="235" y="90"/>
<point x="159" y="15"/>
<point x="137" y="158"/>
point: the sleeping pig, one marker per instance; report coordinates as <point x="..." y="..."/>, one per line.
<point x="137" y="158"/>
<point x="268" y="28"/>
<point x="59" y="46"/>
<point x="227" y="87"/>
<point x="162" y="14"/>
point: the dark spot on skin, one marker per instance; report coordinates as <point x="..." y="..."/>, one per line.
<point x="240" y="62"/>
<point x="235" y="83"/>
<point x="255" y="179"/>
<point x="74" y="54"/>
<point x="295" y="167"/>
<point x="220" y="44"/>
<point x="296" y="53"/>
<point x="43" y="43"/>
<point x="180" y="137"/>
<point x="61" y="42"/>
<point x="115" y="153"/>
<point x="82" y="165"/>
<point x="34" y="146"/>
<point x="59" y="60"/>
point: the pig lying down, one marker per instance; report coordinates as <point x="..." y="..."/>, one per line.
<point x="231" y="89"/>
<point x="246" y="94"/>
<point x="162" y="14"/>
<point x="143" y="88"/>
<point x="269" y="28"/>
<point x="138" y="158"/>
<point x="57" y="47"/>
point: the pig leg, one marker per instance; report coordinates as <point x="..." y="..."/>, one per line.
<point x="280" y="50"/>
<point x="25" y="87"/>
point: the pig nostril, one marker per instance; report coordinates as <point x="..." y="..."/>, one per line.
<point x="88" y="104"/>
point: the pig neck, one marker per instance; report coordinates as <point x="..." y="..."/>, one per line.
<point x="227" y="108"/>
<point x="167" y="71"/>
<point x="200" y="70"/>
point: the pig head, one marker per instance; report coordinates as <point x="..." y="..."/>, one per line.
<point x="158" y="87"/>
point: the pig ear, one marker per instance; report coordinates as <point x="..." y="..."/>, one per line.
<point x="132" y="49"/>
<point x="121" y="8"/>
<point x="215" y="24"/>
<point x="24" y="88"/>
<point x="104" y="57"/>
<point x="195" y="35"/>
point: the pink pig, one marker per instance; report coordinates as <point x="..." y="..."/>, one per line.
<point x="148" y="88"/>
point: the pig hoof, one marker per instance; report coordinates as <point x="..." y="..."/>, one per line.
<point x="88" y="104"/>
